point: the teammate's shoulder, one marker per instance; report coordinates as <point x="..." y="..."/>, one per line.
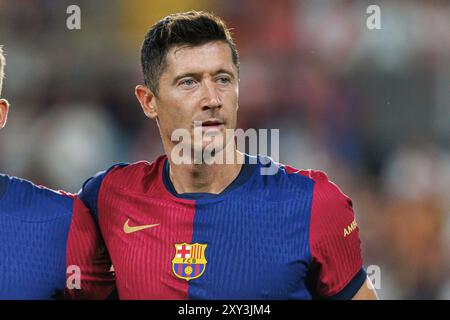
<point x="19" y="195"/>
<point x="26" y="188"/>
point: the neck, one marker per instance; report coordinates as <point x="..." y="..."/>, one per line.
<point x="207" y="178"/>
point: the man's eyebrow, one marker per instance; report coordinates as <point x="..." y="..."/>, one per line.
<point x="224" y="71"/>
<point x="198" y="75"/>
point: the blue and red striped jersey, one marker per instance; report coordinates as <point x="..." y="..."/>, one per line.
<point x="288" y="235"/>
<point x="39" y="229"/>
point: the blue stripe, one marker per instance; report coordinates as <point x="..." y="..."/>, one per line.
<point x="259" y="227"/>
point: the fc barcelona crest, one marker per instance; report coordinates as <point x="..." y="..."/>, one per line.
<point x="189" y="261"/>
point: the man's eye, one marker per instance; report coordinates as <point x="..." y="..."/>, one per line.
<point x="187" y="82"/>
<point x="223" y="80"/>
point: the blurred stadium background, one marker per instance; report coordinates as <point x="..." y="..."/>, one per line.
<point x="369" y="107"/>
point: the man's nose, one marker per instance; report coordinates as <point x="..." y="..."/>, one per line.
<point x="211" y="98"/>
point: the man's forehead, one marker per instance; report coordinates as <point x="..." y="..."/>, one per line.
<point x="207" y="57"/>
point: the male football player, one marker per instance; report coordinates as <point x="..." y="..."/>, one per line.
<point x="198" y="230"/>
<point x="44" y="234"/>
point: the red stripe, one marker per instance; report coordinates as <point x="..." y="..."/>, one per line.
<point x="137" y="179"/>
<point x="82" y="249"/>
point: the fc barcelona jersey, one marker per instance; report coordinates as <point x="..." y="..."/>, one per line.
<point x="290" y="234"/>
<point x="39" y="229"/>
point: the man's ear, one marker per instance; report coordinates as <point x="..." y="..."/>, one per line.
<point x="147" y="100"/>
<point x="4" y="107"/>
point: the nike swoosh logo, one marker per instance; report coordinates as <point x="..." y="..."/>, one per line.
<point x="128" y="229"/>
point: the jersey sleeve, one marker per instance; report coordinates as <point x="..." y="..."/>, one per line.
<point x="89" y="273"/>
<point x="336" y="270"/>
<point x="86" y="247"/>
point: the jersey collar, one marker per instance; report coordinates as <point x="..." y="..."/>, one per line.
<point x="246" y="172"/>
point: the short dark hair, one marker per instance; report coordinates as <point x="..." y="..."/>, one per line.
<point x="187" y="28"/>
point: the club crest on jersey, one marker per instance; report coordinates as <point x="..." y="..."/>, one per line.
<point x="189" y="261"/>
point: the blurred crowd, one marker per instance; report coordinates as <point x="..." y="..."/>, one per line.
<point x="369" y="107"/>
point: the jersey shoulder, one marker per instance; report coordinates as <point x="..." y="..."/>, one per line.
<point x="314" y="175"/>
<point x="136" y="177"/>
<point x="322" y="184"/>
<point x="30" y="202"/>
<point x="330" y="204"/>
<point x="132" y="177"/>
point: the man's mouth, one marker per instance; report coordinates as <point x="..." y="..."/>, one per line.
<point x="209" y="124"/>
<point x="212" y="123"/>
